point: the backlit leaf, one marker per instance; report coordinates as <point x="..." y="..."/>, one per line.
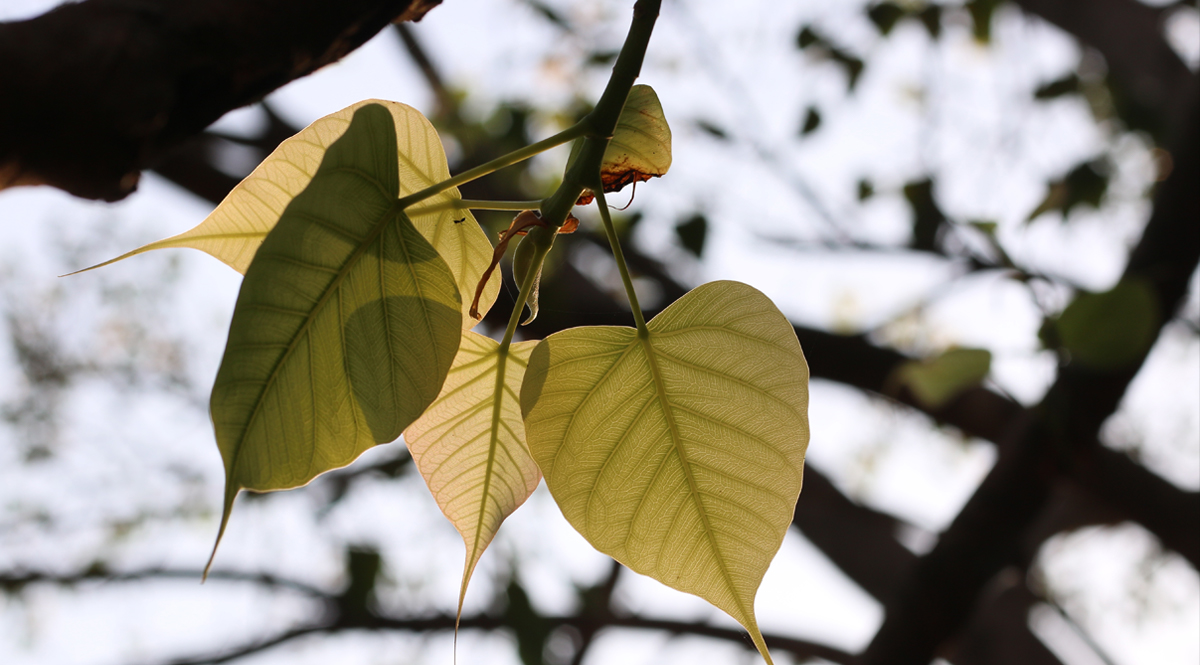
<point x="344" y="329"/>
<point x="470" y="444"/>
<point x="680" y="455"/>
<point x="640" y="148"/>
<point x="236" y="228"/>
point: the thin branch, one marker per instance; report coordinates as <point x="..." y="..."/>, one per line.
<point x="242" y="652"/>
<point x="736" y="92"/>
<point x="16" y="581"/>
<point x="446" y="105"/>
<point x="801" y="649"/>
<point x="1080" y="632"/>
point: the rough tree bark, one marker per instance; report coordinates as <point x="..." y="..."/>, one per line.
<point x="101" y="90"/>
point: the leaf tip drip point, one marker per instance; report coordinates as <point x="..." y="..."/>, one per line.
<point x="101" y="265"/>
<point x="468" y="568"/>
<point x="759" y="642"/>
<point x="230" y="494"/>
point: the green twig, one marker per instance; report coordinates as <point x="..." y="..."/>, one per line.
<point x="569" y="134"/>
<point x="515" y="206"/>
<point x="615" y="243"/>
<point x="602" y="121"/>
<point x="477" y="204"/>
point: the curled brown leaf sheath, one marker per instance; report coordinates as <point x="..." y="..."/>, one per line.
<point x="519" y="227"/>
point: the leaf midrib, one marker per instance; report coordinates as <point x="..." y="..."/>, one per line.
<point x="493" y="440"/>
<point x="677" y="440"/>
<point x="391" y="215"/>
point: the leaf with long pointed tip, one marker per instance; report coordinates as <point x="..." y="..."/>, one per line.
<point x="640" y="148"/>
<point x="344" y="328"/>
<point x="236" y="228"/>
<point x="679" y="453"/>
<point x="470" y="444"/>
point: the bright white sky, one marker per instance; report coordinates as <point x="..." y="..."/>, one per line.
<point x="133" y="448"/>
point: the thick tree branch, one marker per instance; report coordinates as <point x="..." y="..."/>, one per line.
<point x="1129" y="34"/>
<point x="860" y="541"/>
<point x="985" y="535"/>
<point x="997" y="632"/>
<point x="96" y="91"/>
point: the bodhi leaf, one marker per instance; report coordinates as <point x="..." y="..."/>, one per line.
<point x="936" y="381"/>
<point x="470" y="444"/>
<point x="679" y="454"/>
<point x="344" y="328"/>
<point x="640" y="148"/>
<point x="236" y="228"/>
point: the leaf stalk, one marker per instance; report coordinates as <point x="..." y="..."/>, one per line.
<point x="622" y="267"/>
<point x="569" y="134"/>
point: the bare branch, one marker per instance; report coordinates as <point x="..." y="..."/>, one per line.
<point x="13" y="582"/>
<point x="801" y="649"/>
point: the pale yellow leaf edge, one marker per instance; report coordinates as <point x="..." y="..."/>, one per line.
<point x="320" y="134"/>
<point x="747" y="613"/>
<point x="476" y="545"/>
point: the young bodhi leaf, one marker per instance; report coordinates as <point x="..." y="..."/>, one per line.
<point x="640" y="148"/>
<point x="344" y="329"/>
<point x="236" y="228"/>
<point x="470" y="444"/>
<point x="679" y="453"/>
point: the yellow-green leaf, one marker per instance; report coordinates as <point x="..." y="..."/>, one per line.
<point x="470" y="444"/>
<point x="640" y="148"/>
<point x="936" y="381"/>
<point x="344" y="328"/>
<point x="679" y="454"/>
<point x="236" y="228"/>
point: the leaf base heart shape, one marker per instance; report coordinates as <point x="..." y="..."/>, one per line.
<point x="680" y="451"/>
